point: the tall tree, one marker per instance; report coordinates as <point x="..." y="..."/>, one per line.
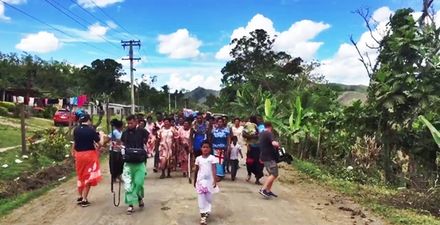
<point x="256" y="62"/>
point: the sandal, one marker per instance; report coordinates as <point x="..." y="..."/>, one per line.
<point x="141" y="203"/>
<point x="130" y="210"/>
<point x="203" y="219"/>
<point x="84" y="203"/>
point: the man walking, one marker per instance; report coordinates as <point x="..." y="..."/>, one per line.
<point x="134" y="167"/>
<point x="269" y="151"/>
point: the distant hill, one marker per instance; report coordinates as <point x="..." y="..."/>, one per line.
<point x="350" y="93"/>
<point x="199" y="94"/>
<point x="344" y="87"/>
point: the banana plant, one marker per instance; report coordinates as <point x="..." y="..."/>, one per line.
<point x="293" y="129"/>
<point x="435" y="133"/>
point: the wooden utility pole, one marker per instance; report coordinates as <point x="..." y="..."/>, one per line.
<point x="130" y="45"/>
<point x="23" y="129"/>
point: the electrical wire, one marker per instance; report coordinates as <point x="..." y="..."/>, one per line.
<point x="96" y="18"/>
<point x="110" y="17"/>
<point x="52" y="27"/>
<point x="81" y="24"/>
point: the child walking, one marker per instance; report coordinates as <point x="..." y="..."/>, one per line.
<point x="205" y="184"/>
<point x="235" y="151"/>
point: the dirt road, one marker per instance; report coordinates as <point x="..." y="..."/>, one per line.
<point x="173" y="201"/>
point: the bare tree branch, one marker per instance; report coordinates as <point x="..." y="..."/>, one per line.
<point x="425" y="12"/>
<point x="365" y="14"/>
<point x="361" y="57"/>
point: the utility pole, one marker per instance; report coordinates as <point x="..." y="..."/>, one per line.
<point x="130" y="44"/>
<point x="169" y="102"/>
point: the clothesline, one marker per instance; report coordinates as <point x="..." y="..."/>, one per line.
<point x="78" y="101"/>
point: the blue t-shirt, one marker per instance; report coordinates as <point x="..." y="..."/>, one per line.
<point x="220" y="138"/>
<point x="200" y="136"/>
<point x="116" y="135"/>
<point x="261" y="128"/>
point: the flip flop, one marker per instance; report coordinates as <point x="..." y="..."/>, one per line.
<point x="130" y="210"/>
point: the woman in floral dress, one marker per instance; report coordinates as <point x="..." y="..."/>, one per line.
<point x="167" y="141"/>
<point x="185" y="146"/>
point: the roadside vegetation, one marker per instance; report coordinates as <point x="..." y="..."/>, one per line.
<point x="378" y="149"/>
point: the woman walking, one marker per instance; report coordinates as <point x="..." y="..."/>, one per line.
<point x="86" y="157"/>
<point x="185" y="146"/>
<point x="221" y="141"/>
<point x="167" y="135"/>
<point x="200" y="128"/>
<point x="253" y="164"/>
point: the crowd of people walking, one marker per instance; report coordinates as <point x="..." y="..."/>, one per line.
<point x="207" y="146"/>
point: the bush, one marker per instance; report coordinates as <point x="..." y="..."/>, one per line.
<point x="48" y="112"/>
<point x="55" y="147"/>
<point x="3" y="111"/>
<point x="10" y="107"/>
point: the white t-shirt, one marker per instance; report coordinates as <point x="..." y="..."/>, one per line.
<point x="238" y="132"/>
<point x="235" y="150"/>
<point x="205" y="167"/>
<point x="204" y="175"/>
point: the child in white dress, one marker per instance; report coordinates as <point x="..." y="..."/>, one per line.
<point x="205" y="183"/>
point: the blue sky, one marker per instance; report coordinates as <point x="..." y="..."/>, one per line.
<point x="184" y="42"/>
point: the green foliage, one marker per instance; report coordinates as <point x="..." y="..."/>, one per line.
<point x="3" y="111"/>
<point x="435" y="133"/>
<point x="55" y="147"/>
<point x="8" y="105"/>
<point x="256" y="63"/>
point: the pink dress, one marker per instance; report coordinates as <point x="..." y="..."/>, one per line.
<point x="167" y="137"/>
<point x="184" y="148"/>
<point x="151" y="144"/>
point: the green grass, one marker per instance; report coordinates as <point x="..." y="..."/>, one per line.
<point x="32" y="123"/>
<point x="9" y="136"/>
<point x="367" y="195"/>
<point x="14" y="169"/>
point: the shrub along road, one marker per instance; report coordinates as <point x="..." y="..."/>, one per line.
<point x="174" y="201"/>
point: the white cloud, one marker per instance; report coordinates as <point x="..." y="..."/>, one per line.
<point x="3" y="17"/>
<point x="96" y="31"/>
<point x="112" y="24"/>
<point x="187" y="77"/>
<point x="179" y="45"/>
<point x="297" y="40"/>
<point x="41" y="42"/>
<point x="101" y="3"/>
<point x="382" y="14"/>
<point x="15" y="2"/>
<point x="345" y="67"/>
<point x="2" y="13"/>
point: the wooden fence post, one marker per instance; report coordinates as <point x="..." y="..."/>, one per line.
<point x="23" y="129"/>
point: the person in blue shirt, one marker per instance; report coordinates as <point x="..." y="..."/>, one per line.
<point x="200" y="129"/>
<point x="221" y="142"/>
<point x="116" y="162"/>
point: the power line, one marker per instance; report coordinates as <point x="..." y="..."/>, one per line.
<point x="119" y="25"/>
<point x="95" y="17"/>
<point x="112" y="18"/>
<point x="81" y="24"/>
<point x="54" y="28"/>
